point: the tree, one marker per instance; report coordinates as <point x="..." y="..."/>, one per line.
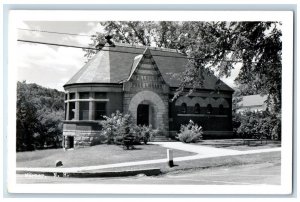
<point x="26" y="118"/>
<point x="40" y="115"/>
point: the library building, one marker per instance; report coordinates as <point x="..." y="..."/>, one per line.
<point x="139" y="80"/>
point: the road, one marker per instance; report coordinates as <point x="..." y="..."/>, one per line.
<point x="251" y="174"/>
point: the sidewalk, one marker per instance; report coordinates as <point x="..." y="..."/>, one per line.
<point x="202" y="153"/>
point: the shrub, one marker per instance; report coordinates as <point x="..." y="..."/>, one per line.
<point x="190" y="133"/>
<point x="118" y="126"/>
<point x="259" y="125"/>
<point x="147" y="133"/>
<point x="143" y="133"/>
<point x="115" y="127"/>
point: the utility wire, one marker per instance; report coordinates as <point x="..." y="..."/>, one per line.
<point x="51" y="32"/>
<point x="91" y="48"/>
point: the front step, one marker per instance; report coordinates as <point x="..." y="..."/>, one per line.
<point x="161" y="138"/>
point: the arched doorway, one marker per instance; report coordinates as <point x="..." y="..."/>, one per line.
<point x="142" y="117"/>
<point x="147" y="107"/>
<point x="146" y="114"/>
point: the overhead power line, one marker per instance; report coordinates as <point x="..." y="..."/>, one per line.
<point x="51" y="32"/>
<point x="91" y="48"/>
<point x="55" y="44"/>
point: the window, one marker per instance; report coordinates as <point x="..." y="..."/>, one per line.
<point x="100" y="108"/>
<point x="71" y="110"/>
<point x="83" y="110"/>
<point x="183" y="108"/>
<point x="84" y="95"/>
<point x="72" y="96"/>
<point x="197" y="108"/>
<point x="66" y="111"/>
<point x="100" y="95"/>
<point x="209" y="109"/>
<point x="66" y="96"/>
<point x="221" y="109"/>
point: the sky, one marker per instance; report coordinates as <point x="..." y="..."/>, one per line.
<point x="52" y="66"/>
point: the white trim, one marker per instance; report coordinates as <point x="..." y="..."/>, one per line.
<point x="90" y="99"/>
<point x="202" y="115"/>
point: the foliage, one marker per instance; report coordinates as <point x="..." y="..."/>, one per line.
<point x="40" y="112"/>
<point x="190" y="133"/>
<point x="259" y="125"/>
<point x="144" y="133"/>
<point x="118" y="127"/>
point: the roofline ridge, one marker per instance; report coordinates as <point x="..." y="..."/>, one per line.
<point x="143" y="47"/>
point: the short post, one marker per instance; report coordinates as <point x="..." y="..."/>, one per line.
<point x="170" y="157"/>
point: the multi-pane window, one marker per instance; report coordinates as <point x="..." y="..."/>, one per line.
<point x="84" y="101"/>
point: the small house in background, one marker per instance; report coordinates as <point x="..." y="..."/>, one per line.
<point x="254" y="103"/>
<point x="138" y="80"/>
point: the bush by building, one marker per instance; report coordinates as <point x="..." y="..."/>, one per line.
<point x="259" y="125"/>
<point x="117" y="127"/>
<point x="190" y="133"/>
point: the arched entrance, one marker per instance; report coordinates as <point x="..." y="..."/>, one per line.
<point x="146" y="114"/>
<point x="146" y="107"/>
<point x="142" y="117"/>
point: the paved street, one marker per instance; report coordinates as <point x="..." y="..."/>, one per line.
<point x="253" y="174"/>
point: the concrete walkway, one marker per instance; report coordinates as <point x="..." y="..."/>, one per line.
<point x="201" y="153"/>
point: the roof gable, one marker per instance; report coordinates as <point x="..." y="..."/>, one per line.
<point x="140" y="60"/>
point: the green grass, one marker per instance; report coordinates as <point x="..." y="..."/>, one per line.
<point x="95" y="155"/>
<point x="239" y="144"/>
<point x="224" y="161"/>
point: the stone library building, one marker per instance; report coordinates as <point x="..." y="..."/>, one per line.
<point x="139" y="80"/>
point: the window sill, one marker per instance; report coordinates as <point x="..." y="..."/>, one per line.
<point x="204" y="115"/>
<point x="81" y="121"/>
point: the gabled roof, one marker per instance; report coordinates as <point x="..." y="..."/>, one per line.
<point x="253" y="100"/>
<point x="116" y="64"/>
<point x="136" y="61"/>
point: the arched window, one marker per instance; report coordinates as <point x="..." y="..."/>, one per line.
<point x="197" y="108"/>
<point x="209" y="109"/>
<point x="221" y="109"/>
<point x="183" y="108"/>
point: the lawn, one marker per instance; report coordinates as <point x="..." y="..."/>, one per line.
<point x="239" y="144"/>
<point x="208" y="163"/>
<point x="95" y="155"/>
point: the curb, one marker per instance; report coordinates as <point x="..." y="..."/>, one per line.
<point x="125" y="173"/>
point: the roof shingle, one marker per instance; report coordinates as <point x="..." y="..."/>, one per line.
<point x="115" y="64"/>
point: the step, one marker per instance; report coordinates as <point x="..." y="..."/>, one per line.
<point x="161" y="138"/>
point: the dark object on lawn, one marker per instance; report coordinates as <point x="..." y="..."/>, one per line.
<point x="58" y="163"/>
<point x="128" y="142"/>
